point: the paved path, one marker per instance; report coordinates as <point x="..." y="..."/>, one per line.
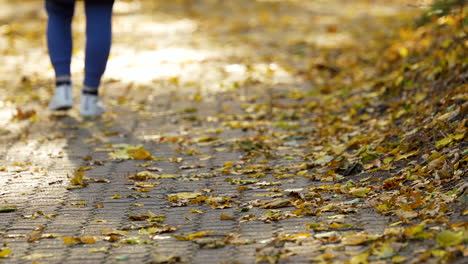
<point x="196" y="96"/>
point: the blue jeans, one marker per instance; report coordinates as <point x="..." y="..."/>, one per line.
<point x="98" y="37"/>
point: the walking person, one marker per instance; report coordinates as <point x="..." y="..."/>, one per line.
<point x="60" y="45"/>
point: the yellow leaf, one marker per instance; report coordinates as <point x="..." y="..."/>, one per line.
<point x="116" y="196"/>
<point x="360" y="192"/>
<point x="196" y="211"/>
<point x="140" y="154"/>
<point x="403" y="52"/>
<point x="88" y="240"/>
<point x="146" y="185"/>
<point x="416" y="232"/>
<point x="335" y="225"/>
<point x="78" y="179"/>
<point x="439" y="253"/>
<point x="5" y="252"/>
<point x="198" y="97"/>
<point x="70" y="241"/>
<point x="360" y="259"/>
<point x="413" y="153"/>
<point x="298" y="236"/>
<point x="385" y="251"/>
<point x="398" y="259"/>
<point x="448" y="238"/>
<point x="443" y="142"/>
<point x="193" y="236"/>
<point x="78" y="240"/>
<point x="355" y="239"/>
<point x="96" y="250"/>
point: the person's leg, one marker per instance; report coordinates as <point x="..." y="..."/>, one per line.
<point x="98" y="40"/>
<point x="98" y="44"/>
<point x="59" y="42"/>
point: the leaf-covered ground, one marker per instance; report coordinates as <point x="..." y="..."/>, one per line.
<point x="241" y="132"/>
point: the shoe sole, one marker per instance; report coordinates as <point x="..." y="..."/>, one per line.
<point x="62" y="108"/>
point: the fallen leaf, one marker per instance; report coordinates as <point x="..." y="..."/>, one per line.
<point x="96" y="250"/>
<point x="36" y="234"/>
<point x="4" y="253"/>
<point x="78" y="178"/>
<point x="78" y="240"/>
<point x="109" y="231"/>
<point x="360" y="259"/>
<point x="193" y="236"/>
<point x="196" y="211"/>
<point x="8" y="208"/>
<point x="448" y="238"/>
<point x="360" y="192"/>
<point x="276" y="203"/>
<point x="140" y="154"/>
<point x="224" y="216"/>
<point x="210" y="243"/>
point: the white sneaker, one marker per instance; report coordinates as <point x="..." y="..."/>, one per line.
<point x="62" y="99"/>
<point x="91" y="106"/>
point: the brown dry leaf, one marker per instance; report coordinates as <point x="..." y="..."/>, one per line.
<point x="36" y="234"/>
<point x="224" y="216"/>
<point x="21" y="115"/>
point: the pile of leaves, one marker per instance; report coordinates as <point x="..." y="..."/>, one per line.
<point x="403" y="135"/>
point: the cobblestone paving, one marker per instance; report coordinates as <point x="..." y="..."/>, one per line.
<point x="41" y="158"/>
